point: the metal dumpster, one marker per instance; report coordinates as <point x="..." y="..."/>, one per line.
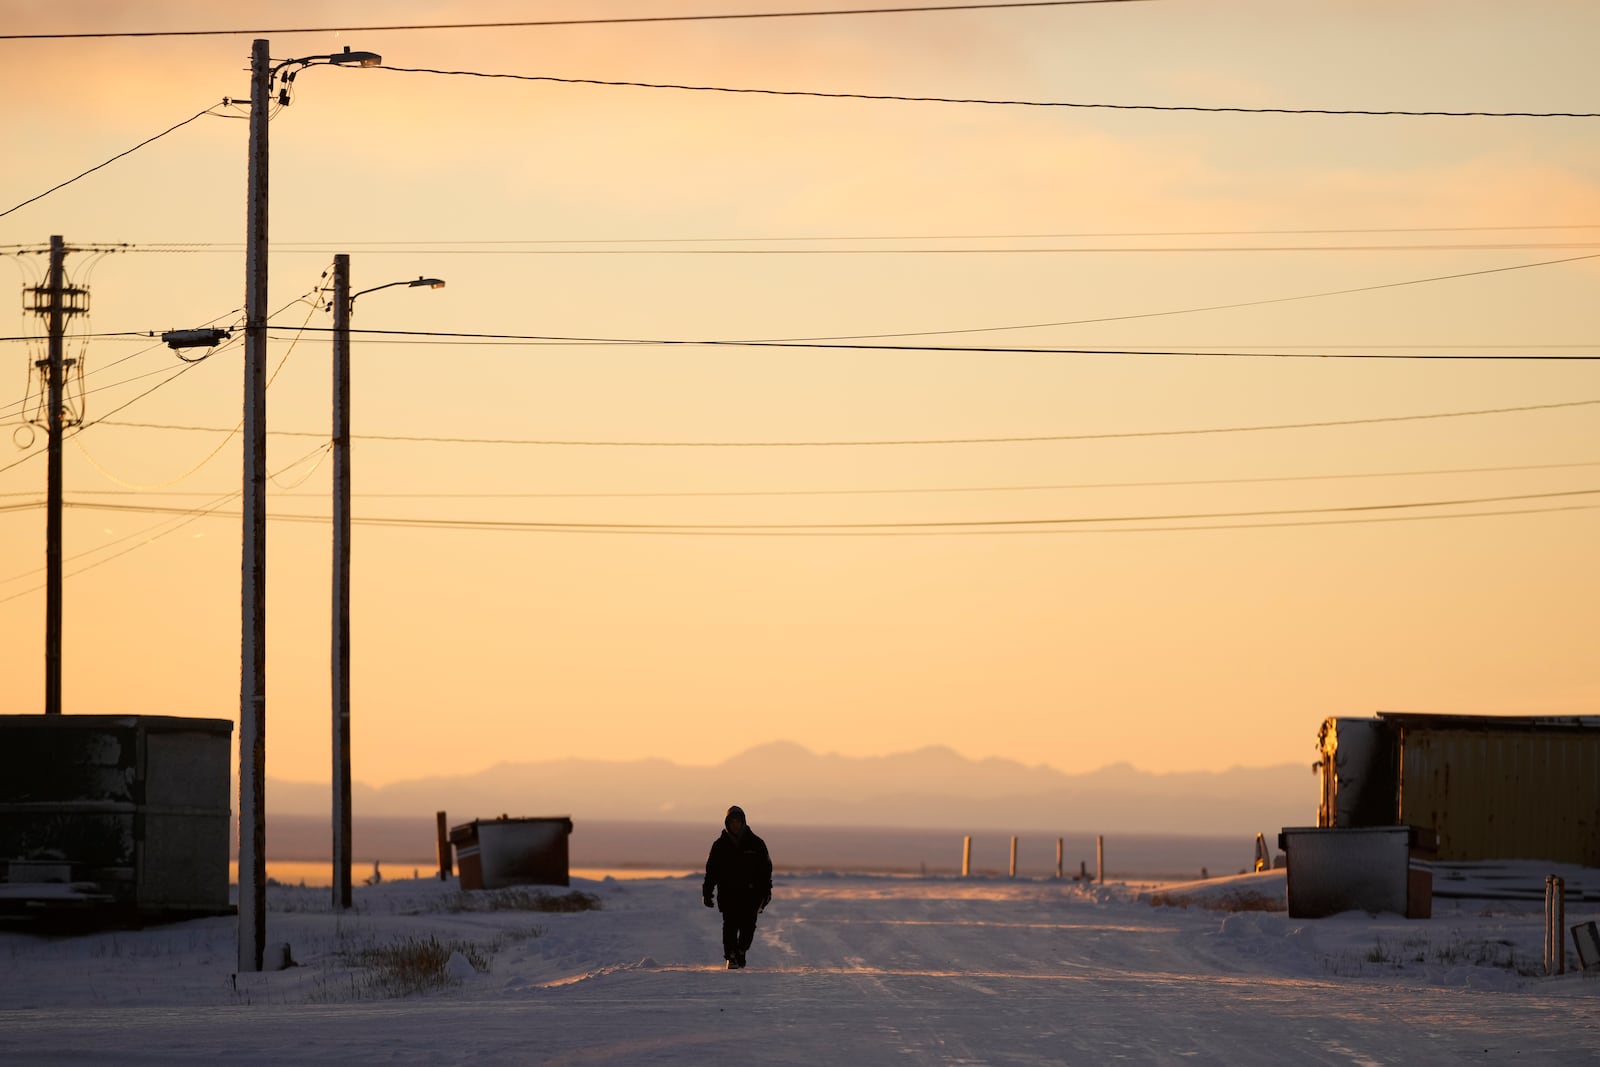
<point x="129" y="811"/>
<point x="495" y="853"/>
<point x="1364" y="868"/>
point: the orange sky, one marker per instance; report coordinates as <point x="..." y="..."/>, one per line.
<point x="1197" y="641"/>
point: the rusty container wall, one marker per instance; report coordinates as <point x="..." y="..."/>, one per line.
<point x="496" y="853"/>
<point x="130" y="809"/>
<point x="1497" y="793"/>
<point x="465" y="840"/>
<point x="1359" y="770"/>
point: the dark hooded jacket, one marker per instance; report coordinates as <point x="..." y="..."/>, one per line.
<point x="739" y="869"/>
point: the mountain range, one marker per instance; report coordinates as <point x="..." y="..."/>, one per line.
<point x="785" y="783"/>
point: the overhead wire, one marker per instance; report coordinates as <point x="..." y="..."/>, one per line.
<point x="177" y="522"/>
<point x="544" y="23"/>
<point x="1235" y="305"/>
<point x="113" y="159"/>
<point x="955" y="524"/>
<point x="775" y="239"/>
<point x="465" y="249"/>
<point x="186" y="368"/>
<point x="908" y="490"/>
<point x="190" y="365"/>
<point x="994" y="102"/>
<point x="1010" y="439"/>
<point x="833" y="345"/>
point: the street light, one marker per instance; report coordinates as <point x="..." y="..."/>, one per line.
<point x="253" y="568"/>
<point x="344" y="303"/>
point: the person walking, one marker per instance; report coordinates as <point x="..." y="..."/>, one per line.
<point x="739" y="873"/>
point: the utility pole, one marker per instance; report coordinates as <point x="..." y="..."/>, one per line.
<point x="253" y="565"/>
<point x="57" y="321"/>
<point x="56" y="301"/>
<point x="253" y="577"/>
<point x="342" y="856"/>
<point x="344" y="302"/>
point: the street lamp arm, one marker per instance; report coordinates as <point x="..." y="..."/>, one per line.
<point x="426" y="283"/>
<point x="345" y="58"/>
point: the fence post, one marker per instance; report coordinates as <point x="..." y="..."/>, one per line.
<point x="446" y="867"/>
<point x="1059" y="858"/>
<point x="1555" y="924"/>
<point x="966" y="856"/>
<point x="1544" y="951"/>
<point x="1013" y="855"/>
<point x="1100" y="858"/>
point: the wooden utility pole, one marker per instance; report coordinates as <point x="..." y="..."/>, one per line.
<point x="57" y="328"/>
<point x="253" y="569"/>
<point x="342" y="826"/>
<point x="56" y="301"/>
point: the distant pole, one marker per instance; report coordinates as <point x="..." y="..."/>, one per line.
<point x="1060" y="857"/>
<point x="446" y="867"/>
<point x="1013" y="855"/>
<point x="253" y="567"/>
<point x="1100" y="859"/>
<point x="56" y="319"/>
<point x="966" y="856"/>
<point x="342" y="829"/>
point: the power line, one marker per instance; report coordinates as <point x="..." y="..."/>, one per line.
<point x="659" y="527"/>
<point x="113" y="159"/>
<point x="183" y="519"/>
<point x="1074" y="105"/>
<point x="1236" y="305"/>
<point x="535" y="23"/>
<point x="466" y="243"/>
<point x="832" y="345"/>
<point x="774" y="239"/>
<point x="415" y="438"/>
<point x="896" y="491"/>
<point x="319" y="248"/>
<point x="990" y="329"/>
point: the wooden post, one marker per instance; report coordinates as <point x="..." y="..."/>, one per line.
<point x="1100" y="859"/>
<point x="343" y="824"/>
<point x="966" y="856"/>
<point x="1013" y="855"/>
<point x="1555" y="923"/>
<point x="446" y="868"/>
<point x="1545" y="952"/>
<point x="1059" y="858"/>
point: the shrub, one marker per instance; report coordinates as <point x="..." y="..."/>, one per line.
<point x="519" y="898"/>
<point x="413" y="965"/>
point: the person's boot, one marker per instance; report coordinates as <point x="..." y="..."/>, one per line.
<point x="738" y="960"/>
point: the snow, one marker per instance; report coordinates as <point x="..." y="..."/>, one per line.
<point x="845" y="969"/>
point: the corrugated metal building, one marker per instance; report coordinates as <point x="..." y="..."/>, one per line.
<point x="1492" y="787"/>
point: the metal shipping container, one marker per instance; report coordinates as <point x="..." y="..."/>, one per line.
<point x="1492" y="787"/>
<point x="1492" y="792"/>
<point x="125" y="810"/>
<point x="1360" y="773"/>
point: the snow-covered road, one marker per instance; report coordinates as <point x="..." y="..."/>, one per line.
<point x="844" y="970"/>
